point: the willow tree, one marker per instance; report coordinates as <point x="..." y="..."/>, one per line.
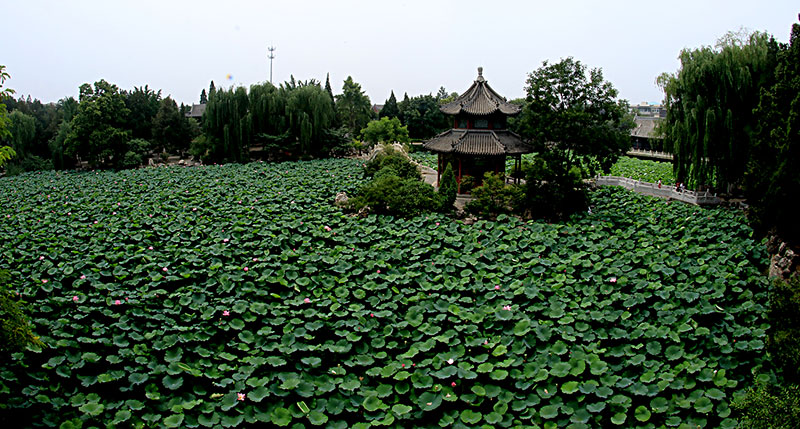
<point x="710" y="102"/>
<point x="228" y="124"/>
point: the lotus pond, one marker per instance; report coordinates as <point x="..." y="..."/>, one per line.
<point x="238" y="295"/>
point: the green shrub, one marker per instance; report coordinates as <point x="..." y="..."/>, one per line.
<point x="390" y="194"/>
<point x="398" y="161"/>
<point x="448" y="188"/>
<point x="15" y="329"/>
<point x="770" y="406"/>
<point x="553" y="190"/>
<point x="466" y="185"/>
<point x="494" y="197"/>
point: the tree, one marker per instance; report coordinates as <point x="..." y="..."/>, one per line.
<point x="6" y="152"/>
<point x="390" y="109"/>
<point x="710" y="102"/>
<point x="385" y="131"/>
<point x="442" y="97"/>
<point x="422" y="116"/>
<point x="171" y="129"/>
<point x="203" y="97"/>
<point x="572" y="111"/>
<point x="98" y="131"/>
<point x="143" y="104"/>
<point x="353" y="106"/>
<point x="211" y="88"/>
<point x="448" y="188"/>
<point x="771" y="180"/>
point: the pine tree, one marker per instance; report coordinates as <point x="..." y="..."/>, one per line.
<point x="328" y="86"/>
<point x="390" y="109"/>
<point x="203" y="97"/>
<point x="211" y="89"/>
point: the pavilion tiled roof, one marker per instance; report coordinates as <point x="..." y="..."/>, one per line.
<point x="480" y="99"/>
<point x="478" y="142"/>
<point x="196" y="111"/>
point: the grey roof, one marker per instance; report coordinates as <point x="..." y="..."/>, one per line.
<point x="196" y="111"/>
<point x="478" y="142"/>
<point x="480" y="99"/>
<point x="645" y="127"/>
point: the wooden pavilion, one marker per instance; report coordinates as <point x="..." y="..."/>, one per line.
<point x="479" y="141"/>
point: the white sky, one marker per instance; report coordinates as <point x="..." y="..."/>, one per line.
<point x="51" y="47"/>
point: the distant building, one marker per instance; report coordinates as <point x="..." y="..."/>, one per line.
<point x="643" y="135"/>
<point x="653" y="110"/>
<point x="196" y="111"/>
<point x="376" y="108"/>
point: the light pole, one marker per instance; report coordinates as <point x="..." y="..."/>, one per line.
<point x="271" y="56"/>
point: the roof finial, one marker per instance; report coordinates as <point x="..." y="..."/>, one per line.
<point x="480" y="75"/>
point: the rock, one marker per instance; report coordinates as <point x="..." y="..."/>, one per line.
<point x="341" y="199"/>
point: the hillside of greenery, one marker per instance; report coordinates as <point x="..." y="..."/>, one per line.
<point x="236" y="295"/>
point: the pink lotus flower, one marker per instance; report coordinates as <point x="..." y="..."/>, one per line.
<point x="83" y="277"/>
<point x="41" y="258"/>
<point x="371" y="314"/>
<point x="496" y="287"/>
<point x="507" y="307"/>
<point x="402" y="365"/>
<point x="226" y="313"/>
<point x="437" y="223"/>
<point x="306" y="300"/>
<point x="379" y="271"/>
<point x="612" y="280"/>
<point x="75" y="298"/>
<point x="240" y="396"/>
<point x="164" y="269"/>
<point x="245" y="268"/>
<point x="225" y="240"/>
<point x="453" y="384"/>
<point x="327" y="228"/>
<point x="117" y="302"/>
<point x="44" y="280"/>
<point x="450" y="361"/>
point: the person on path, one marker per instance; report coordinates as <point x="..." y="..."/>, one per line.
<point x="659" y="183"/>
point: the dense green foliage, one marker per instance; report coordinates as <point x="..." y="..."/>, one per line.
<point x="493" y="197"/>
<point x="390" y="109"/>
<point x="290" y="121"/>
<point x="15" y="328"/>
<point x="772" y="177"/>
<point x="396" y="187"/>
<point x="572" y="112"/>
<point x="775" y="402"/>
<point x="392" y="159"/>
<point x="385" y="130"/>
<point x="422" y="116"/>
<point x="554" y="190"/>
<point x="353" y="107"/>
<point x="710" y="102"/>
<point x="644" y="170"/>
<point x="171" y="291"/>
<point x="6" y="152"/>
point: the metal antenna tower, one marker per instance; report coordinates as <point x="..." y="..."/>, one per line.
<point x="271" y="56"/>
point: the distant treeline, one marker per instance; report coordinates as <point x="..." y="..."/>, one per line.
<point x="107" y="127"/>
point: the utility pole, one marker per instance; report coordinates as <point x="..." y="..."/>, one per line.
<point x="271" y="56"/>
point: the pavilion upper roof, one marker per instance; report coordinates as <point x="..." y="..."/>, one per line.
<point x="480" y="99"/>
<point x="478" y="142"/>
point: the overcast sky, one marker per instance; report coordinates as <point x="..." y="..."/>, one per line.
<point x="51" y="47"/>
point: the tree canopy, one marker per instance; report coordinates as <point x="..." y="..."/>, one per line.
<point x="710" y="102"/>
<point x="390" y="109"/>
<point x="422" y="116"/>
<point x="385" y="130"/>
<point x="772" y="180"/>
<point x="572" y="111"/>
<point x="353" y="106"/>
<point x="99" y="134"/>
